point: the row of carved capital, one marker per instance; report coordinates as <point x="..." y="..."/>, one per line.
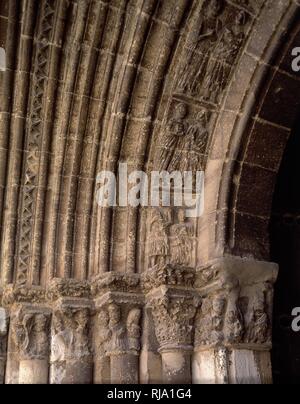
<point x="227" y="303"/>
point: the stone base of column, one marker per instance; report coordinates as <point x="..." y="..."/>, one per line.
<point x="210" y="366"/>
<point x="102" y="370"/>
<point x="71" y="372"/>
<point x="33" y="371"/>
<point x="150" y="367"/>
<point x="232" y="366"/>
<point x="12" y="368"/>
<point x="2" y="370"/>
<point x="176" y="365"/>
<point x="124" y="368"/>
<point x="250" y="366"/>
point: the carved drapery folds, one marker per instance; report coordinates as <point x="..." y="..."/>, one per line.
<point x="234" y="321"/>
<point x="215" y="318"/>
<point x="71" y="360"/>
<point x="30" y="332"/>
<point x="232" y="312"/>
<point x="185" y="138"/>
<point x="117" y="338"/>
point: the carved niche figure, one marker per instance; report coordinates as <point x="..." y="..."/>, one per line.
<point x="222" y="58"/>
<point x="41" y="336"/>
<point x="197" y="139"/>
<point x="81" y="345"/>
<point x="118" y="331"/>
<point x="61" y="339"/>
<point x="104" y="333"/>
<point x="199" y="46"/>
<point x="258" y="327"/>
<point x="175" y="137"/>
<point x="158" y="243"/>
<point x="30" y="333"/>
<point x="134" y="329"/>
<point x="210" y="321"/>
<point x="182" y="244"/>
<point x="234" y="327"/>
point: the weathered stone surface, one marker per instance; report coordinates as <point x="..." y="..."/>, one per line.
<point x="138" y="294"/>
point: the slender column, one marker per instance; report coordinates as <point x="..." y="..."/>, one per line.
<point x="233" y="327"/>
<point x="3" y="343"/>
<point x="173" y="312"/>
<point x="102" y="336"/>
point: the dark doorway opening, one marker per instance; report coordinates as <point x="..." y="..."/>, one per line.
<point x="285" y="250"/>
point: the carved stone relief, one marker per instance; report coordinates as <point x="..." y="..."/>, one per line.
<point x="30" y="333"/>
<point x="184" y="139"/>
<point x="211" y="50"/>
<point x="171" y="242"/>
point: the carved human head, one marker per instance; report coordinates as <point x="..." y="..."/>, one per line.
<point x="259" y="308"/>
<point x="114" y="313"/>
<point x="202" y="117"/>
<point x="134" y="316"/>
<point x="241" y="18"/>
<point x="181" y="111"/>
<point x="181" y="215"/>
<point x="41" y="322"/>
<point x="82" y="318"/>
<point x="218" y="304"/>
<point x="214" y="7"/>
<point x="103" y="318"/>
<point x="58" y="322"/>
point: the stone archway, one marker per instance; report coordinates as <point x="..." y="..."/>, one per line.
<point x="92" y="84"/>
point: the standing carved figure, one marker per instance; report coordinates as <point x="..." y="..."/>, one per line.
<point x="41" y="336"/>
<point x="118" y="331"/>
<point x="234" y="327"/>
<point x="62" y="338"/>
<point x="81" y="334"/>
<point x="199" y="46"/>
<point x="104" y="333"/>
<point x="258" y="327"/>
<point x="182" y="245"/>
<point x="134" y="329"/>
<point x="220" y="63"/>
<point x="174" y="140"/>
<point x="158" y="240"/>
<point x="195" y="145"/>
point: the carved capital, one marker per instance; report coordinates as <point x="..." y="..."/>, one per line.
<point x="237" y="303"/>
<point x="173" y="313"/>
<point x="30" y="333"/>
<point x="118" y="325"/>
<point x="168" y="275"/>
<point x="115" y="282"/>
<point x="70" y="334"/>
<point x="67" y="288"/>
<point x="15" y="295"/>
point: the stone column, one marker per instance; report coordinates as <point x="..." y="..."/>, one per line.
<point x="173" y="312"/>
<point x="102" y="336"/>
<point x="233" y="327"/>
<point x="3" y="343"/>
<point x="30" y="332"/>
<point x="71" y="360"/>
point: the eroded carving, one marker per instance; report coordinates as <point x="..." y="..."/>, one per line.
<point x="30" y="332"/>
<point x="173" y="319"/>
